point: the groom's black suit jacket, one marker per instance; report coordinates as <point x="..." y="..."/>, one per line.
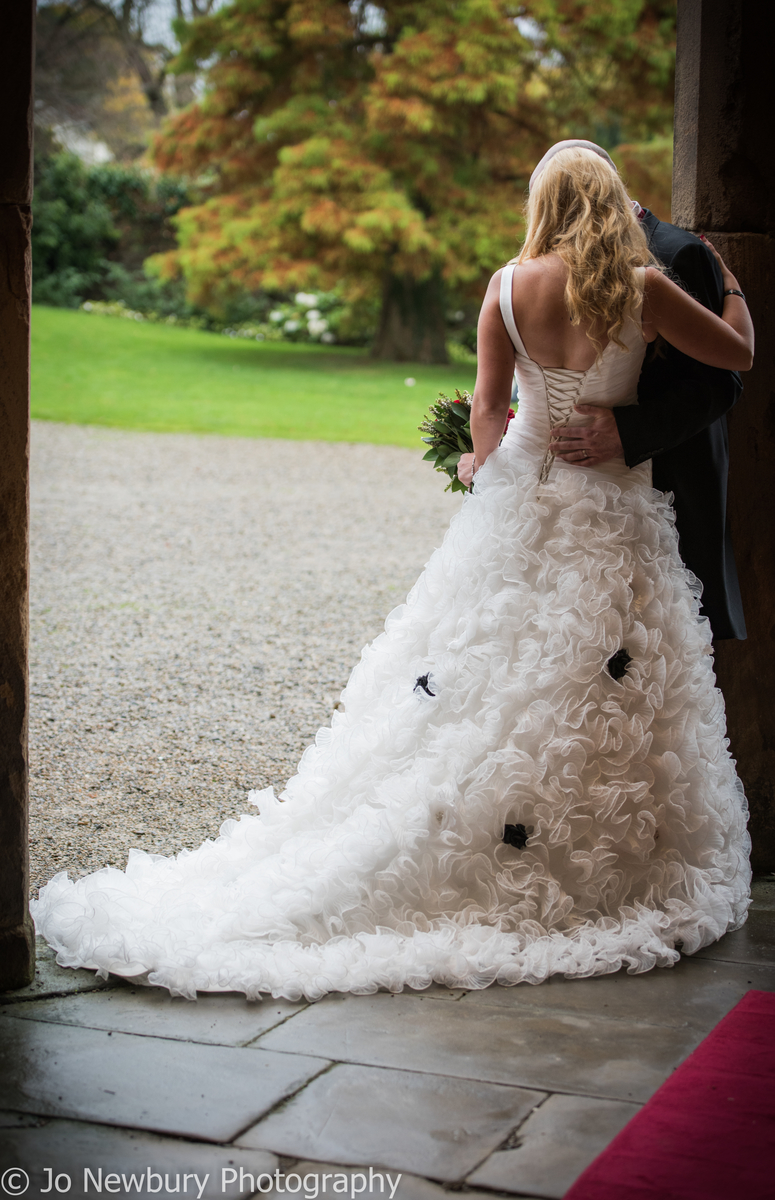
<point x="680" y="423"/>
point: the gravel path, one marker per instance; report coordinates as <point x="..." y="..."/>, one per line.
<point x="197" y="606"/>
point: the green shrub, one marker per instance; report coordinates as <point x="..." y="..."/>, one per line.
<point x="72" y="234"/>
<point x="94" y="227"/>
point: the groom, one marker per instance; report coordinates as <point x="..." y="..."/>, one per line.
<point x="679" y="422"/>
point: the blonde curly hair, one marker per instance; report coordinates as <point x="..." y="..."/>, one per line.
<point x="578" y="209"/>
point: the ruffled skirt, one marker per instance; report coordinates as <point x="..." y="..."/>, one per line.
<point x="491" y="700"/>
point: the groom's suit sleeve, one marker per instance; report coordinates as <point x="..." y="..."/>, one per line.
<point x="678" y="396"/>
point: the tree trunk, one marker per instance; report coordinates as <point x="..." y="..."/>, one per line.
<point x="412" y="325"/>
<point x="151" y="82"/>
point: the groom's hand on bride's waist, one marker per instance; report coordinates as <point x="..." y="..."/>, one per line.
<point x="595" y="442"/>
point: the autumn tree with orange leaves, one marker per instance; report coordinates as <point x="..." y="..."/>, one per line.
<point x="386" y="148"/>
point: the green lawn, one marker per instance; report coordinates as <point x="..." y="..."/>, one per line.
<point x="95" y="370"/>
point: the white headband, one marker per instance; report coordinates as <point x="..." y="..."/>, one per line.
<point x="570" y="144"/>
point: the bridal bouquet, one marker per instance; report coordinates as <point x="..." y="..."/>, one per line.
<point x="447" y="427"/>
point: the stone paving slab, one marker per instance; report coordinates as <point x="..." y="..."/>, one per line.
<point x="208" y="1092"/>
<point x="53" y="980"/>
<point x="424" y="1124"/>
<point x="618" y="1060"/>
<point x="754" y="943"/>
<point x="436" y="991"/>
<point x="221" y="1020"/>
<point x="410" y="1187"/>
<point x="69" y="1147"/>
<point x="556" y="1143"/>
<point x="763" y="893"/>
<point x="694" y="992"/>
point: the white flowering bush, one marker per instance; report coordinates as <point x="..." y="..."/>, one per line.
<point x="308" y="317"/>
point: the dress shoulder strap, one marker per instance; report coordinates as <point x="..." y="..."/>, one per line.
<point x="507" y="311"/>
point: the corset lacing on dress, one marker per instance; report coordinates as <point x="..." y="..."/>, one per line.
<point x="563" y="388"/>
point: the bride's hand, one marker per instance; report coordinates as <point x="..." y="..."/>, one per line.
<point x="465" y="469"/>
<point x="726" y="274"/>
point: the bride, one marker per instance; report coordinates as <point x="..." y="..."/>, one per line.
<point x="530" y="775"/>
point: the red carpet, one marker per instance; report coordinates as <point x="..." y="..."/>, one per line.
<point x="709" y="1132"/>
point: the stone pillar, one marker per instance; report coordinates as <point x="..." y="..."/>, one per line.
<point x="17" y="940"/>
<point x="724" y="186"/>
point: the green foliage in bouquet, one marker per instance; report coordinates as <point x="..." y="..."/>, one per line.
<point x="447" y="427"/>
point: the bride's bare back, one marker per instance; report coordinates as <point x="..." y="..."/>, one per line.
<point x="541" y="315"/>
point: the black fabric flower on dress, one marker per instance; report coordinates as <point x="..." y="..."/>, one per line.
<point x="515" y="835"/>
<point x="618" y="664"/>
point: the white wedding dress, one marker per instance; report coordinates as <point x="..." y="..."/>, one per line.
<point x="487" y="702"/>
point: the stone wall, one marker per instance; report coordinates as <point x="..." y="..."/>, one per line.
<point x="16" y="100"/>
<point x="724" y="186"/>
